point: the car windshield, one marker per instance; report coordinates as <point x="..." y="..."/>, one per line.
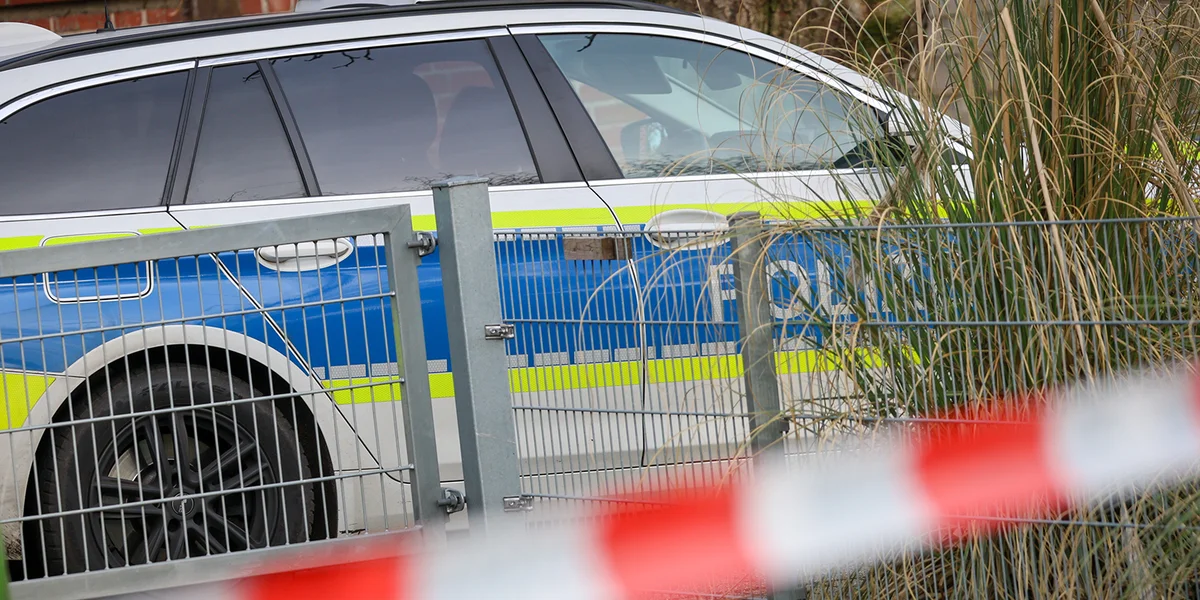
<point x="707" y="109"/>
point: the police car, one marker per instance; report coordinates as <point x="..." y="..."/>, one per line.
<point x="602" y="114"/>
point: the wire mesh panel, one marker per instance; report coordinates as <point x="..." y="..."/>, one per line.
<point x="925" y="320"/>
<point x="169" y="398"/>
<point x="619" y="369"/>
<point x="575" y="364"/>
<point x="928" y="318"/>
<point x="874" y="326"/>
<point x="696" y="407"/>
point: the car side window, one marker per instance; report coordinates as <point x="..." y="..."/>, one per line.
<point x="611" y="115"/>
<point x="399" y="118"/>
<point x="99" y="148"/>
<point x="243" y="152"/>
<point x="668" y="106"/>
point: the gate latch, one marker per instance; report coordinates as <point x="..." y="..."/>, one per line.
<point x="499" y="331"/>
<point x="518" y="503"/>
<point x="452" y="500"/>
<point x="424" y="243"/>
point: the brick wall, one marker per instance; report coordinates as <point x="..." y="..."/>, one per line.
<point x="77" y="16"/>
<point x="259" y="7"/>
<point x="75" y="22"/>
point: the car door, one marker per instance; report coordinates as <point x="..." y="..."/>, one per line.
<point x="83" y="161"/>
<point x="309" y="131"/>
<point x="700" y="128"/>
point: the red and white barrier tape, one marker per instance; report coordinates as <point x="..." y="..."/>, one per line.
<point x="788" y="522"/>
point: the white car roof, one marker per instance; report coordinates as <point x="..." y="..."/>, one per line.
<point x="48" y="49"/>
<point x="104" y="51"/>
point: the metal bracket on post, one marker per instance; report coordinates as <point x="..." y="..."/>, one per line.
<point x="487" y="430"/>
<point x="424" y="243"/>
<point x="452" y="500"/>
<point x="499" y="331"/>
<point x="518" y="503"/>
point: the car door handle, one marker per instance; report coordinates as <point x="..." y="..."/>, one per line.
<point x="305" y="256"/>
<point x="685" y="227"/>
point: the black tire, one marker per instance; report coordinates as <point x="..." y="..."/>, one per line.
<point x="126" y="460"/>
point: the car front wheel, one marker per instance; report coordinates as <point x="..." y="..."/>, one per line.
<point x="169" y="463"/>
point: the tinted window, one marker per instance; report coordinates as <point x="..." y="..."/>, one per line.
<point x="667" y="106"/>
<point x="99" y="148"/>
<point x="243" y="153"/>
<point x="397" y="119"/>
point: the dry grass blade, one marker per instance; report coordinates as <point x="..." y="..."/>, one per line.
<point x="1062" y="246"/>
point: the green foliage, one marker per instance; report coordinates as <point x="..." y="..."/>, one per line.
<point x="1079" y="110"/>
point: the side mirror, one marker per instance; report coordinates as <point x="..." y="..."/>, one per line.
<point x="642" y="139"/>
<point x="893" y="122"/>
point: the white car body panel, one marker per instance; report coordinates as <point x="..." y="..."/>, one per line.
<point x="364" y="449"/>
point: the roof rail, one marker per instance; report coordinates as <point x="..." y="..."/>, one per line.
<point x="16" y="38"/>
<point x="315" y="5"/>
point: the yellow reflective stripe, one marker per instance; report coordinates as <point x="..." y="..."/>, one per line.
<point x="21" y="393"/>
<point x="63" y="240"/>
<point x="596" y="375"/>
<point x="358" y="390"/>
<point x="33" y="241"/>
<point x="696" y="368"/>
<point x="570" y="377"/>
<point x="703" y="368"/>
<point x="441" y="385"/>
<point x="23" y="390"/>
<point x="772" y="210"/>
<point x="23" y="241"/>
<point x="541" y="218"/>
<point x="576" y="217"/>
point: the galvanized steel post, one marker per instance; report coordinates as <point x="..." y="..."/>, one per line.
<point x="486" y="429"/>
<point x="409" y="329"/>
<point x="768" y="424"/>
<point x="757" y="327"/>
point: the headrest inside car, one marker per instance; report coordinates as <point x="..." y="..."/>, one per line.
<point x="624" y="73"/>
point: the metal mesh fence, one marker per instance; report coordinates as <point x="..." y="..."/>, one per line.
<point x="574" y="363"/>
<point x="887" y="326"/>
<point x="925" y="320"/>
<point x="619" y="369"/>
<point x="196" y="401"/>
<point x="199" y="400"/>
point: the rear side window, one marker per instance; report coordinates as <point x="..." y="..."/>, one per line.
<point x="100" y="148"/>
<point x="400" y="118"/>
<point x="243" y="153"/>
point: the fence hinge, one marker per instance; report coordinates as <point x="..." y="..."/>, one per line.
<point x="499" y="331"/>
<point x="424" y="244"/>
<point x="452" y="500"/>
<point x="518" y="503"/>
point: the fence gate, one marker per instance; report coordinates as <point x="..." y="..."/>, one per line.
<point x="167" y="436"/>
